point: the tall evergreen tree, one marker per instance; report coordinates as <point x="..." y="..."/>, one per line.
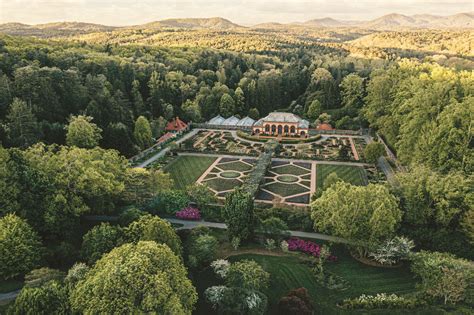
<point x="22" y="124"/>
<point x="142" y="132"/>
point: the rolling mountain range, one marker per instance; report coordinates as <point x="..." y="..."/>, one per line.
<point x="387" y="22"/>
<point x="391" y="21"/>
<point x="214" y="23"/>
<point x="53" y="29"/>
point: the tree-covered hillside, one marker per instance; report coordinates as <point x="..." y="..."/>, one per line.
<point x="53" y="80"/>
<point x="74" y="108"/>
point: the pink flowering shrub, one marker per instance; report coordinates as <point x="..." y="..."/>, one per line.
<point x="307" y="247"/>
<point x="189" y="213"/>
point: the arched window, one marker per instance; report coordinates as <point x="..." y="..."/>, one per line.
<point x="257" y="130"/>
<point x="292" y="129"/>
<point x="286" y="129"/>
<point x="267" y="128"/>
<point x="274" y="128"/>
<point x="280" y="129"/>
<point x="302" y="133"/>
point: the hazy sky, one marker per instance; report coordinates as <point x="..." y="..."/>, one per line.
<point x="128" y="12"/>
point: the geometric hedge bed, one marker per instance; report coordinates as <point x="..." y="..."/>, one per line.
<point x="225" y="174"/>
<point x="288" y="182"/>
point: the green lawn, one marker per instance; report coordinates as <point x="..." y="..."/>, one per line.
<point x="355" y="175"/>
<point x="186" y="169"/>
<point x="289" y="273"/>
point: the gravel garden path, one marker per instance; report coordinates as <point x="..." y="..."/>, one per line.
<point x="9" y="296"/>
<point x="163" y="151"/>
<point x="186" y="225"/>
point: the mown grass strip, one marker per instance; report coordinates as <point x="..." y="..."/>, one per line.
<point x="186" y="169"/>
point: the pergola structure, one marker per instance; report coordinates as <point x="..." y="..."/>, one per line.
<point x="281" y="124"/>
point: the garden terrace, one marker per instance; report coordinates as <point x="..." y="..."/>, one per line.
<point x="281" y="139"/>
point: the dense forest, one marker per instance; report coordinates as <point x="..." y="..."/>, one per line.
<point x="117" y="84"/>
<point x="422" y="109"/>
<point x="435" y="41"/>
<point x="74" y="109"/>
<point x="425" y="112"/>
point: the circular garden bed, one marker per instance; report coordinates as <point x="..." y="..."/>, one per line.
<point x="287" y="178"/>
<point x="373" y="263"/>
<point x="229" y="174"/>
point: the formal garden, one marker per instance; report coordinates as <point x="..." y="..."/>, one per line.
<point x="214" y="141"/>
<point x="226" y="174"/>
<point x="323" y="148"/>
<point x="326" y="149"/>
<point x="221" y="160"/>
<point x="287" y="182"/>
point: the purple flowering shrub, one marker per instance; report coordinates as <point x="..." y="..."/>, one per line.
<point x="307" y="247"/>
<point x="189" y="213"/>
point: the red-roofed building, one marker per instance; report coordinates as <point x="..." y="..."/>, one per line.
<point x="165" y="137"/>
<point x="324" y="126"/>
<point x="176" y="125"/>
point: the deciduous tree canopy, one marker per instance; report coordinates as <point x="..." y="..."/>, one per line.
<point x="20" y="247"/>
<point x="153" y="228"/>
<point x="82" y="132"/>
<point x="373" y="207"/>
<point x="136" y="278"/>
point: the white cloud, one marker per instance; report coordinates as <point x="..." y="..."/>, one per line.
<point x="127" y="12"/>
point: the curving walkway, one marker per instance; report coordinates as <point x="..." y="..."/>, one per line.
<point x="9" y="296"/>
<point x="187" y="225"/>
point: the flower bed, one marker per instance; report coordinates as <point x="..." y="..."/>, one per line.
<point x="381" y="301"/>
<point x="307" y="247"/>
<point x="189" y="213"/>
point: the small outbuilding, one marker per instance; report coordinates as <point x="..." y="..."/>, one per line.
<point x="324" y="126"/>
<point x="176" y="125"/>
